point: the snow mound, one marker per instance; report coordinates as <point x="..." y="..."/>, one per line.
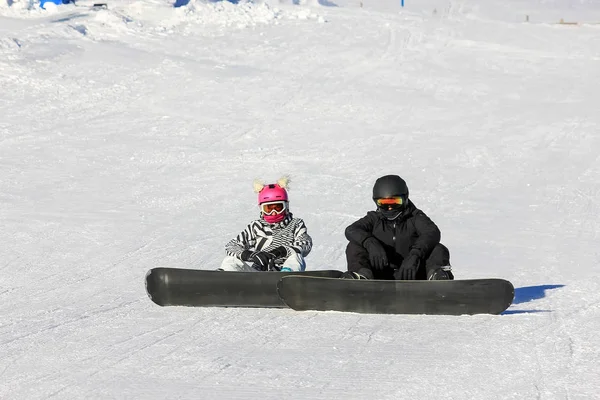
<point x="227" y="14"/>
<point x="145" y="18"/>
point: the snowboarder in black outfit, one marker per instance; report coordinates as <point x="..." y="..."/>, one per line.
<point x="397" y="241"/>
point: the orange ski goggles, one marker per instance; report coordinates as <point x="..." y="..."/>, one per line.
<point x="390" y="203"/>
<point x="273" y="207"/>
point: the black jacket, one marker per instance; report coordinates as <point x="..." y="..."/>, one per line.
<point x="413" y="231"/>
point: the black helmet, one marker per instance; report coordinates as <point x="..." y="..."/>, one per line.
<point x="390" y="186"/>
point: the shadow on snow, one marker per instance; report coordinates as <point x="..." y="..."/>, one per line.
<point x="530" y="293"/>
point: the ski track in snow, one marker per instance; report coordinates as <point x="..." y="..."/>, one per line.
<point x="130" y="137"/>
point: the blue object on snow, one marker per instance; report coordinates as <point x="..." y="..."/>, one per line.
<point x="57" y="2"/>
<point x="183" y="3"/>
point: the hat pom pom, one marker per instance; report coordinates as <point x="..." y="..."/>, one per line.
<point x="258" y="185"/>
<point x="284" y="182"/>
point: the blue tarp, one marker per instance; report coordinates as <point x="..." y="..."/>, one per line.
<point x="43" y="2"/>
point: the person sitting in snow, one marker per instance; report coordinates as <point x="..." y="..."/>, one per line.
<point x="275" y="242"/>
<point x="397" y="241"/>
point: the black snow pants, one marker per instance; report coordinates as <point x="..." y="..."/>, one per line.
<point x="358" y="259"/>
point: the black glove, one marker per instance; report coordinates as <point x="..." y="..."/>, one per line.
<point x="377" y="256"/>
<point x="262" y="260"/>
<point x="279" y="252"/>
<point x="408" y="269"/>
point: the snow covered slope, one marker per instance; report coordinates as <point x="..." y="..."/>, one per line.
<point x="130" y="136"/>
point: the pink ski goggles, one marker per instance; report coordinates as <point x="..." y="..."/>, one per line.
<point x="273" y="207"/>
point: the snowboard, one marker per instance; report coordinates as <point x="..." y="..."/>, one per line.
<point x="444" y="297"/>
<point x="205" y="288"/>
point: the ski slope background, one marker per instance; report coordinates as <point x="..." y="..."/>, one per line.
<point x="129" y="139"/>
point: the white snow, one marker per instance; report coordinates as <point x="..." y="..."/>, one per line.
<point x="129" y="139"/>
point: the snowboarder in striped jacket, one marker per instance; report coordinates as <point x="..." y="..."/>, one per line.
<point x="275" y="242"/>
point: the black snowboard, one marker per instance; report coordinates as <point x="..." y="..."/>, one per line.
<point x="457" y="297"/>
<point x="205" y="288"/>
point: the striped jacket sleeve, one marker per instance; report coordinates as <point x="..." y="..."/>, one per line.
<point x="244" y="241"/>
<point x="302" y="240"/>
